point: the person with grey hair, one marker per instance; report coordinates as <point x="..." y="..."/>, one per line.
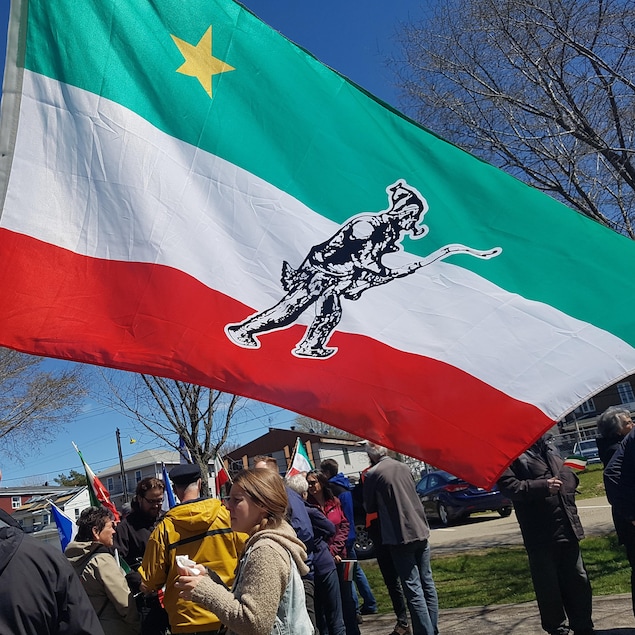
<point x="389" y="490"/>
<point x="613" y="425"/>
<point x="619" y="483"/>
<point x="328" y="602"/>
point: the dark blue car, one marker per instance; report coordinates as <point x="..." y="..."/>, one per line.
<point x="447" y="498"/>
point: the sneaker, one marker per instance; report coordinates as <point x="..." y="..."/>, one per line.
<point x="366" y="611"/>
<point x="400" y="629"/>
<point x="360" y="619"/>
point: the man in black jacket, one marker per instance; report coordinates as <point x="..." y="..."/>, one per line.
<point x="132" y="536"/>
<point x="542" y="489"/>
<point x="39" y="590"/>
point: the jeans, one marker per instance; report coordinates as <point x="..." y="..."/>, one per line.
<point x="412" y="562"/>
<point x="370" y="603"/>
<point x="562" y="586"/>
<point x="348" y="603"/>
<point x="328" y="604"/>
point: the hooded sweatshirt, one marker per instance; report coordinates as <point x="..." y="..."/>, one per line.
<point x="250" y="608"/>
<point x="105" y="584"/>
<point x="199" y="529"/>
<point x="39" y="591"/>
<point x="341" y="487"/>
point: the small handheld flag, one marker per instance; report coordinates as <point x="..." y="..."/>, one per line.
<point x="349" y="569"/>
<point x="222" y="475"/>
<point x="301" y="462"/>
<point x="185" y="456"/>
<point x="99" y="495"/>
<point x="66" y="527"/>
<point x="575" y="462"/>
<point x="168" y="494"/>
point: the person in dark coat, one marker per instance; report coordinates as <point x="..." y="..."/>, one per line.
<point x="613" y="425"/>
<point x="328" y="602"/>
<point x="619" y="483"/>
<point x="132" y="536"/>
<point x="389" y="490"/>
<point x="39" y="590"/>
<point x="542" y="489"/>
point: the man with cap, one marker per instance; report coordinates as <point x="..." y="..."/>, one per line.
<point x="201" y="530"/>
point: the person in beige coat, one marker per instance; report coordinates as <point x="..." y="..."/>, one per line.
<point x="268" y="594"/>
<point x="101" y="576"/>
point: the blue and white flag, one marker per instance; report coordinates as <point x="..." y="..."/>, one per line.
<point x="168" y="495"/>
<point x="184" y="451"/>
<point x="66" y="526"/>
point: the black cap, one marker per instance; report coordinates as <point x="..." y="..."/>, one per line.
<point x="185" y="474"/>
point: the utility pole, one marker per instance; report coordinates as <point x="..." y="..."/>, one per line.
<point x="124" y="484"/>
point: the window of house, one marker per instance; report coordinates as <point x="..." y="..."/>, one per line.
<point x="625" y="391"/>
<point x="347" y="459"/>
<point x="110" y="484"/>
<point x="137" y="476"/>
<point x="16" y="502"/>
<point x="587" y="407"/>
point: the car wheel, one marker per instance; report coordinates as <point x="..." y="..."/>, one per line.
<point x="364" y="546"/>
<point x="442" y="511"/>
<point x="505" y="511"/>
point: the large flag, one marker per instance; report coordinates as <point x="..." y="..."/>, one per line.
<point x="300" y="461"/>
<point x="97" y="493"/>
<point x="66" y="526"/>
<point x="187" y="193"/>
<point x="168" y="494"/>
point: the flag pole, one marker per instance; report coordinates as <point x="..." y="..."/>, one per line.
<point x="295" y="451"/>
<point x="122" y="469"/>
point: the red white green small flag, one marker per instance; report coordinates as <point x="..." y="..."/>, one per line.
<point x="575" y="462"/>
<point x="97" y="493"/>
<point x="222" y="475"/>
<point x="300" y="462"/>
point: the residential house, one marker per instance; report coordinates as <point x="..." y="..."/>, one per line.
<point x="34" y="515"/>
<point x="137" y="467"/>
<point x="279" y="444"/>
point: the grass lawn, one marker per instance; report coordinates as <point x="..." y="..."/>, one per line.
<point x="591" y="483"/>
<point x="501" y="575"/>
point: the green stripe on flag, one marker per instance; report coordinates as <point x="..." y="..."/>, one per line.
<point x="284" y="117"/>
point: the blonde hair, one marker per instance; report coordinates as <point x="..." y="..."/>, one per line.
<point x="266" y="489"/>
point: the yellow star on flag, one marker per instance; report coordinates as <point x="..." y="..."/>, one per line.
<point x="199" y="61"/>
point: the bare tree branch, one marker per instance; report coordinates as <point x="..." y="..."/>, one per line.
<point x="171" y="409"/>
<point x="544" y="89"/>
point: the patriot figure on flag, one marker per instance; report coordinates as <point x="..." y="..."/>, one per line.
<point x="346" y="265"/>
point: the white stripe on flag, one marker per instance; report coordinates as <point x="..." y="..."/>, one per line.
<point x="467" y="318"/>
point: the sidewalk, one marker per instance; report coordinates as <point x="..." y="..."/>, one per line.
<point x="612" y="614"/>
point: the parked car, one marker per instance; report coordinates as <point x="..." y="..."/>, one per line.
<point x="448" y="498"/>
<point x="588" y="449"/>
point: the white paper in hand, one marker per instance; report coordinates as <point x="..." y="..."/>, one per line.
<point x="183" y="562"/>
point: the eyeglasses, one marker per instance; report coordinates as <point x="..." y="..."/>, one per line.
<point x="153" y="501"/>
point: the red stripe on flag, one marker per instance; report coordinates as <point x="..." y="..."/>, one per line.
<point x="158" y="320"/>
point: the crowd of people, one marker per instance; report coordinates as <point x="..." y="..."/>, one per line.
<point x="278" y="556"/>
<point x="275" y="556"/>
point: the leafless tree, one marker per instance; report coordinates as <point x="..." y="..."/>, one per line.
<point x="542" y="88"/>
<point x="171" y="409"/>
<point x="35" y="403"/>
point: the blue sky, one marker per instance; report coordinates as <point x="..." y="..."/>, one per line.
<point x="352" y="37"/>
